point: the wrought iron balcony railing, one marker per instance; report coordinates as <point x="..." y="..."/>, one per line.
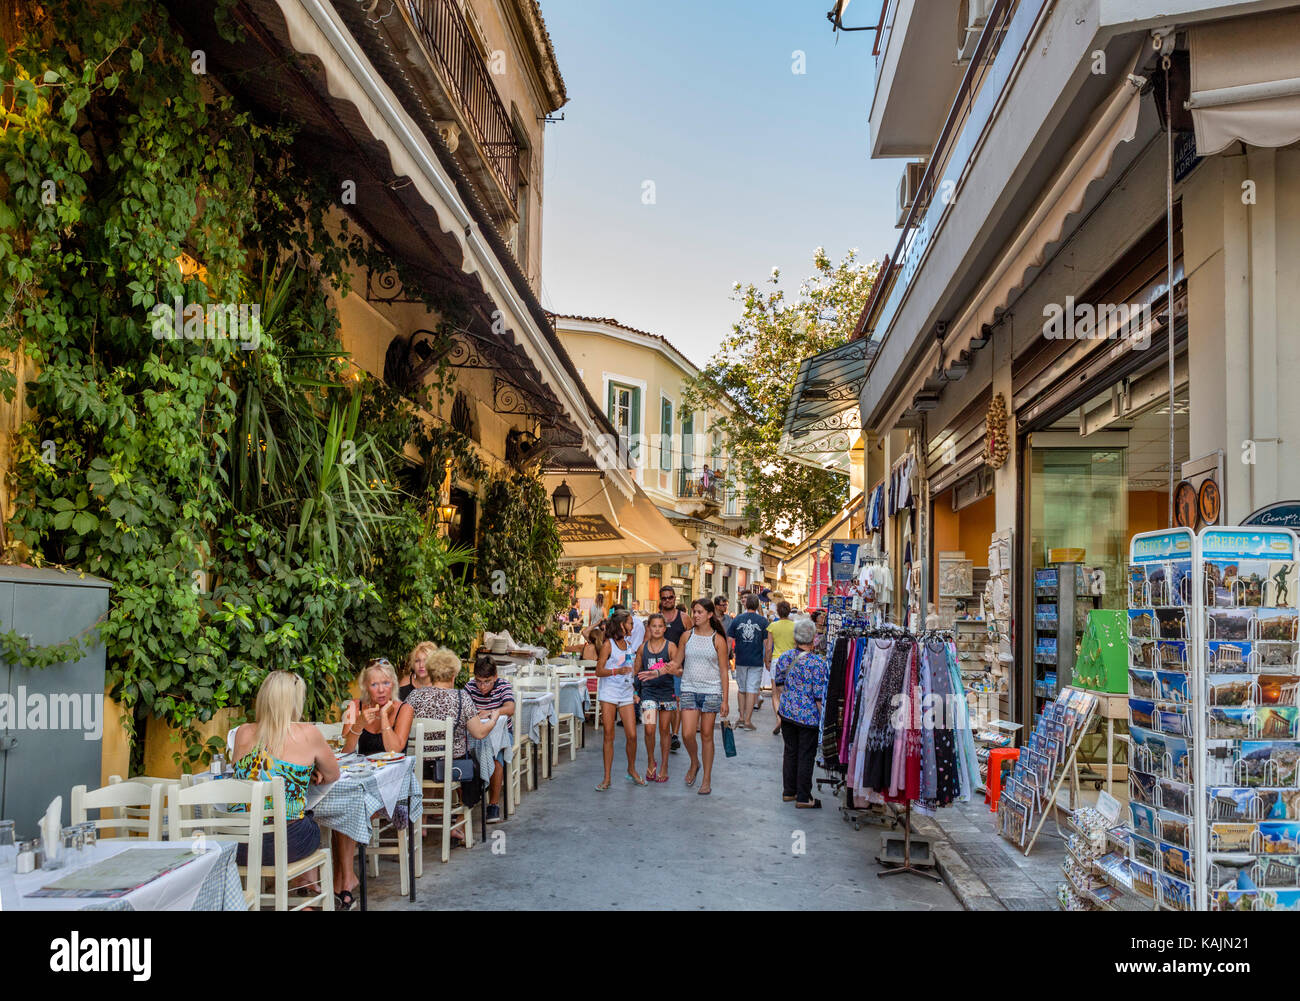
<point x="465" y="74"/>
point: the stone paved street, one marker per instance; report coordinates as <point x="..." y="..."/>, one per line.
<point x="664" y="847"/>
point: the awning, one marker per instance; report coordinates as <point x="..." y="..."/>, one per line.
<point x="360" y="95"/>
<point x="606" y="527"/>
<point x="822" y="420"/>
<point x="1246" y="81"/>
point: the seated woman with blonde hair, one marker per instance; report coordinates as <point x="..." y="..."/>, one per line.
<point x="444" y="701"/>
<point x="279" y="743"/>
<point x="376" y="722"/>
<point x="417" y="672"/>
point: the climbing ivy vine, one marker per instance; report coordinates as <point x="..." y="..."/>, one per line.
<point x="250" y="506"/>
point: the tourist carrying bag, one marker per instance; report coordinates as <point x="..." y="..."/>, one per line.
<point x="728" y="739"/>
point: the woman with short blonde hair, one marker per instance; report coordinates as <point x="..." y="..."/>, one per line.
<point x="444" y="701"/>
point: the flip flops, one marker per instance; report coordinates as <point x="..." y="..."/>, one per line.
<point x="635" y="779"/>
<point x="603" y="787"/>
<point x="343" y="901"/>
<point x="661" y="777"/>
<point x="652" y="775"/>
<point x="690" y="778"/>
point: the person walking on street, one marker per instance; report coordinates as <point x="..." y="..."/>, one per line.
<point x="782" y="633"/>
<point x="614" y="671"/>
<point x="753" y="648"/>
<point x="702" y="663"/>
<point x="654" y="686"/>
<point x="803" y="676"/>
<point x="675" y="624"/>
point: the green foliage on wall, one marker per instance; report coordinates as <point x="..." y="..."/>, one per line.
<point x="518" y="558"/>
<point x="247" y="498"/>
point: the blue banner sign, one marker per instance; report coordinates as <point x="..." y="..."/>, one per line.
<point x="1264" y="543"/>
<point x="1283" y="514"/>
<point x="1152" y="547"/>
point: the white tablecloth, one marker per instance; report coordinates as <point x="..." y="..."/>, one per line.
<point x="499" y="743"/>
<point x="347" y="805"/>
<point x="534" y="712"/>
<point x="210" y="882"/>
<point x="574" y="697"/>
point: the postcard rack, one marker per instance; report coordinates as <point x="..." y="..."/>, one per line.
<point x="1214" y="675"/>
<point x="1048" y="759"/>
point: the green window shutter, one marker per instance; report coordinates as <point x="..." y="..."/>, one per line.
<point x="688" y="434"/>
<point x="666" y="437"/>
<point x="609" y="404"/>
<point x="634" y="447"/>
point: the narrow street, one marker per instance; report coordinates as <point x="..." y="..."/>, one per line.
<point x="664" y="847"/>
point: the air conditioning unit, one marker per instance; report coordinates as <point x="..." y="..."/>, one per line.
<point x="972" y="16"/>
<point x="909" y="185"/>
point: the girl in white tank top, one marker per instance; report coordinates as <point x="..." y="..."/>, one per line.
<point x="614" y="671"/>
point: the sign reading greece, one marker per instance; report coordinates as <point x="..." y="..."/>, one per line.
<point x="1154" y="546"/>
<point x="1220" y="543"/>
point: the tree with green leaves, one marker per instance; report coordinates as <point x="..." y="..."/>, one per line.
<point x="752" y="375"/>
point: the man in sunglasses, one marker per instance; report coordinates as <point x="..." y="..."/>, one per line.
<point x="676" y="626"/>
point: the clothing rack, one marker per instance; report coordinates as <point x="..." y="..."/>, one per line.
<point x="852" y="732"/>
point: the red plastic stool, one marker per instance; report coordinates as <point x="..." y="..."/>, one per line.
<point x="998" y="756"/>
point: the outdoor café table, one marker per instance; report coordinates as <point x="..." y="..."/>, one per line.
<point x="347" y="805"/>
<point x="574" y="699"/>
<point x="209" y="883"/>
<point x="536" y="714"/>
<point x="499" y="745"/>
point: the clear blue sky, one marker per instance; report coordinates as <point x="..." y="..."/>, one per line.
<point x="754" y="165"/>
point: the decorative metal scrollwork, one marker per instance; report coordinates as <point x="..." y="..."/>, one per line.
<point x="508" y="398"/>
<point x="386" y="287"/>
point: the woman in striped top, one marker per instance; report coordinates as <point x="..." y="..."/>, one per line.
<point x="702" y="662"/>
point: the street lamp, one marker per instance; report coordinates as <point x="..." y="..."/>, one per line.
<point x="562" y="498"/>
<point x="713" y="548"/>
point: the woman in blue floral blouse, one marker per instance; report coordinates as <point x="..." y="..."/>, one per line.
<point x="804" y="675"/>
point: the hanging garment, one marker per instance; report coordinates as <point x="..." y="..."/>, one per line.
<point x="881" y="733"/>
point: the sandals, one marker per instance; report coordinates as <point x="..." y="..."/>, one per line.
<point x="636" y="780"/>
<point x="690" y="776"/>
<point x="343" y="901"/>
<point x="704" y="790"/>
<point x="603" y="787"/>
<point x="662" y="777"/>
<point x="652" y="774"/>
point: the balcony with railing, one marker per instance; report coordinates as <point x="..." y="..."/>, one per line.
<point x="711" y="486"/>
<point x="464" y="74"/>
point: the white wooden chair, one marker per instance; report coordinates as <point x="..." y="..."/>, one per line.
<point x="330" y="731"/>
<point x="568" y="728"/>
<point x="387" y="838"/>
<point x="593" y="704"/>
<point x="537" y="684"/>
<point x="142" y="813"/>
<point x="247" y="827"/>
<point x="433" y="742"/>
<point x="516" y="767"/>
<point x="117" y="796"/>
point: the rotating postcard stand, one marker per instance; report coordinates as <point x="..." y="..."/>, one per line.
<point x="1214" y="672"/>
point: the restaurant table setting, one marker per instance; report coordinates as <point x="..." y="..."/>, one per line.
<point x="498" y="743"/>
<point x="123" y="875"/>
<point x="536" y="709"/>
<point x="367" y="785"/>
<point x="574" y="697"/>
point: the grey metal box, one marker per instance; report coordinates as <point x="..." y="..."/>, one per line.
<point x="45" y="755"/>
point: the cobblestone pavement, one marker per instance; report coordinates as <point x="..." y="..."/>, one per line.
<point x="664" y="847"/>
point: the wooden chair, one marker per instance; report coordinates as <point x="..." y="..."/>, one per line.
<point x="117" y="796"/>
<point x="537" y="685"/>
<point x="568" y="728"/>
<point x="516" y="767"/>
<point x="394" y="845"/>
<point x="142" y="813"/>
<point x="330" y="731"/>
<point x="433" y="742"/>
<point x="209" y="802"/>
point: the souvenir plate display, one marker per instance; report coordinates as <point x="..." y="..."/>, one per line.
<point x="1215" y="735"/>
